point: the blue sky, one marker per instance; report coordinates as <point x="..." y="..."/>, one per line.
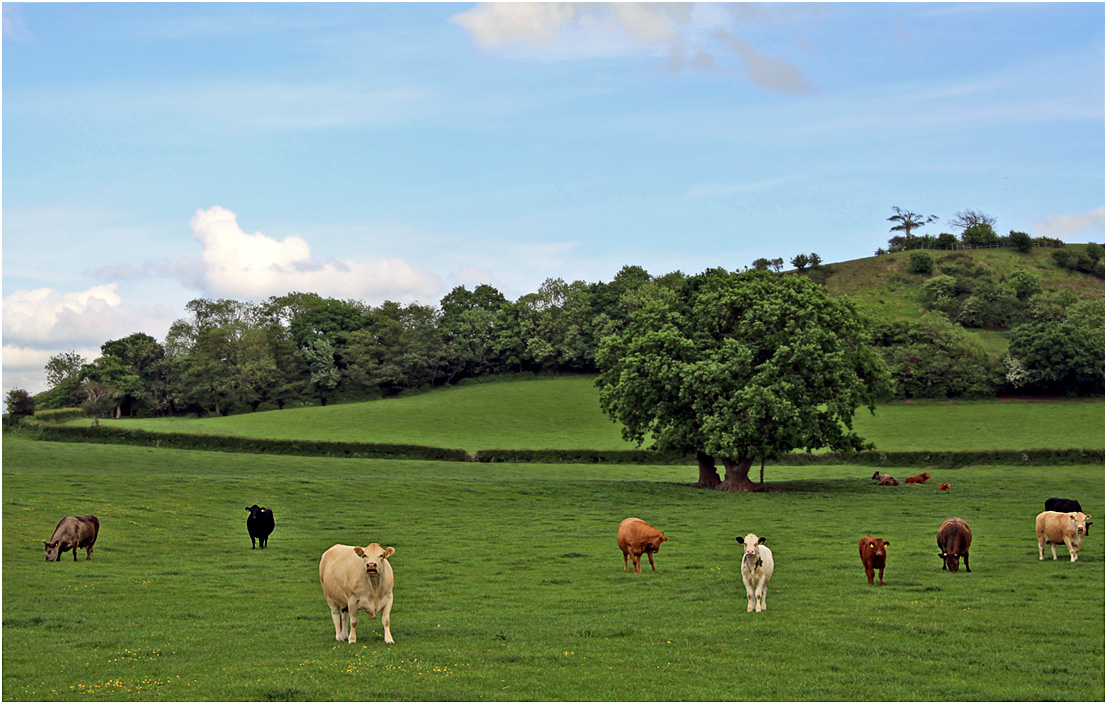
<point x="156" y="153"/>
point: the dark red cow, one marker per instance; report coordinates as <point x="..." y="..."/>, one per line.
<point x="919" y="478"/>
<point x="873" y="556"/>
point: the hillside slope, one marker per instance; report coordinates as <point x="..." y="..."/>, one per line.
<point x="884" y="287"/>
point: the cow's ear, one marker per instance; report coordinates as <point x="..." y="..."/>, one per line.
<point x="389" y="552"/>
<point x="360" y="552"/>
<point x="760" y="540"/>
<point x="739" y="539"/>
<point x="886" y="543"/>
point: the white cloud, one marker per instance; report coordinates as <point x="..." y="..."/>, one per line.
<point x="693" y="35"/>
<point x="41" y="323"/>
<point x="235" y="264"/>
<point x="48" y="319"/>
<point x="1075" y="227"/>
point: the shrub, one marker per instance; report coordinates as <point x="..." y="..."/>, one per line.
<point x="921" y="263"/>
<point x="1021" y="241"/>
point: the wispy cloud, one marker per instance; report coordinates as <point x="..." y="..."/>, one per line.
<point x="699" y="36"/>
<point x="1073" y="227"/>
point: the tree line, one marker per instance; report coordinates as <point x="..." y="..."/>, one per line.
<point x="226" y="356"/>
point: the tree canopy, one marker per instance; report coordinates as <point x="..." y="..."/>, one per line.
<point x="739" y="367"/>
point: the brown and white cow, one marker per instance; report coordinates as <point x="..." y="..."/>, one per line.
<point x="873" y="556"/>
<point x="954" y="539"/>
<point x="636" y="537"/>
<point x="883" y="479"/>
<point x="72" y="532"/>
<point x="356" y="578"/>
<point x="944" y="486"/>
<point x="1054" y="527"/>
<point x="757" y="570"/>
<point x="919" y="478"/>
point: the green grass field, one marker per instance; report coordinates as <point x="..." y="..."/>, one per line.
<point x="564" y="413"/>
<point x="510" y="585"/>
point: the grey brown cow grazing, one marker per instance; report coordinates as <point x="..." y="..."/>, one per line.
<point x="260" y="524"/>
<point x="635" y="538"/>
<point x="71" y="533"/>
<point x="954" y="539"/>
<point x="873" y="556"/>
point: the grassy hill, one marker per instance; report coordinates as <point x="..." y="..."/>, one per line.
<point x="884" y="287"/>
<point x="564" y="413"/>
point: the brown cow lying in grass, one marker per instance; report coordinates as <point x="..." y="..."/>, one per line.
<point x="919" y="478"/>
<point x="944" y="486"/>
<point x="883" y="479"/>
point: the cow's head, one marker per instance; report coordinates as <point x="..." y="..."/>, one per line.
<point x="655" y="542"/>
<point x="1081" y="521"/>
<point x="951" y="559"/>
<point x="877" y="546"/>
<point x="926" y="475"/>
<point x="750" y="543"/>
<point x="876" y="475"/>
<point x="375" y="558"/>
<point x="52" y="550"/>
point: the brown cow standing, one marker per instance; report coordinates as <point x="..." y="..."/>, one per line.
<point x="919" y="478"/>
<point x="954" y="539"/>
<point x="873" y="556"/>
<point x="944" y="486"/>
<point x="637" y="537"/>
<point x="72" y="532"/>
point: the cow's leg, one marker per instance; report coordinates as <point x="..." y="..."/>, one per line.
<point x="1053" y="547"/>
<point x="352" y="608"/>
<point x="881" y="577"/>
<point x="386" y="620"/>
<point x="88" y="553"/>
<point x="624" y="561"/>
<point x="966" y="556"/>
<point x="749" y="598"/>
<point x="253" y="541"/>
<point x="763" y="593"/>
<point x="1072" y="552"/>
<point x="74" y="553"/>
<point x="339" y="620"/>
<point x="650" y="555"/>
<point x="869" y="572"/>
<point x="637" y="559"/>
<point x="1041" y="548"/>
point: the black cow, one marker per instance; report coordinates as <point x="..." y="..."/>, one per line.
<point x="260" y="524"/>
<point x="1062" y="505"/>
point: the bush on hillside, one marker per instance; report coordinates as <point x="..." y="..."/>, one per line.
<point x="920" y="263"/>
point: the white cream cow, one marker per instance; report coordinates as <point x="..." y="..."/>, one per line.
<point x="757" y="570"/>
<point x="356" y="578"/>
<point x="1054" y="527"/>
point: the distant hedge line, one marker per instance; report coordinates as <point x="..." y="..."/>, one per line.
<point x="259" y="446"/>
<point x="322" y="448"/>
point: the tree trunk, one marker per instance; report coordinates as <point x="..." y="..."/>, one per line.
<point x="737" y="475"/>
<point x="709" y="476"/>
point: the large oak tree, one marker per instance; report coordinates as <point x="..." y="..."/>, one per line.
<point x="740" y="367"/>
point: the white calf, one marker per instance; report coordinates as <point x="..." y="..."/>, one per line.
<point x="757" y="570"/>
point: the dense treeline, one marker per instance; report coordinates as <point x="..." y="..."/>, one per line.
<point x="228" y="356"/>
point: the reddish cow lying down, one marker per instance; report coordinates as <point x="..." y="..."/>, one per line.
<point x="944" y="486"/>
<point x="637" y="537"/>
<point x="919" y="478"/>
<point x="873" y="556"/>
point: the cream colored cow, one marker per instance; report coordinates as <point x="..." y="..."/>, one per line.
<point x="355" y="579"/>
<point x="757" y="570"/>
<point x="1054" y="527"/>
